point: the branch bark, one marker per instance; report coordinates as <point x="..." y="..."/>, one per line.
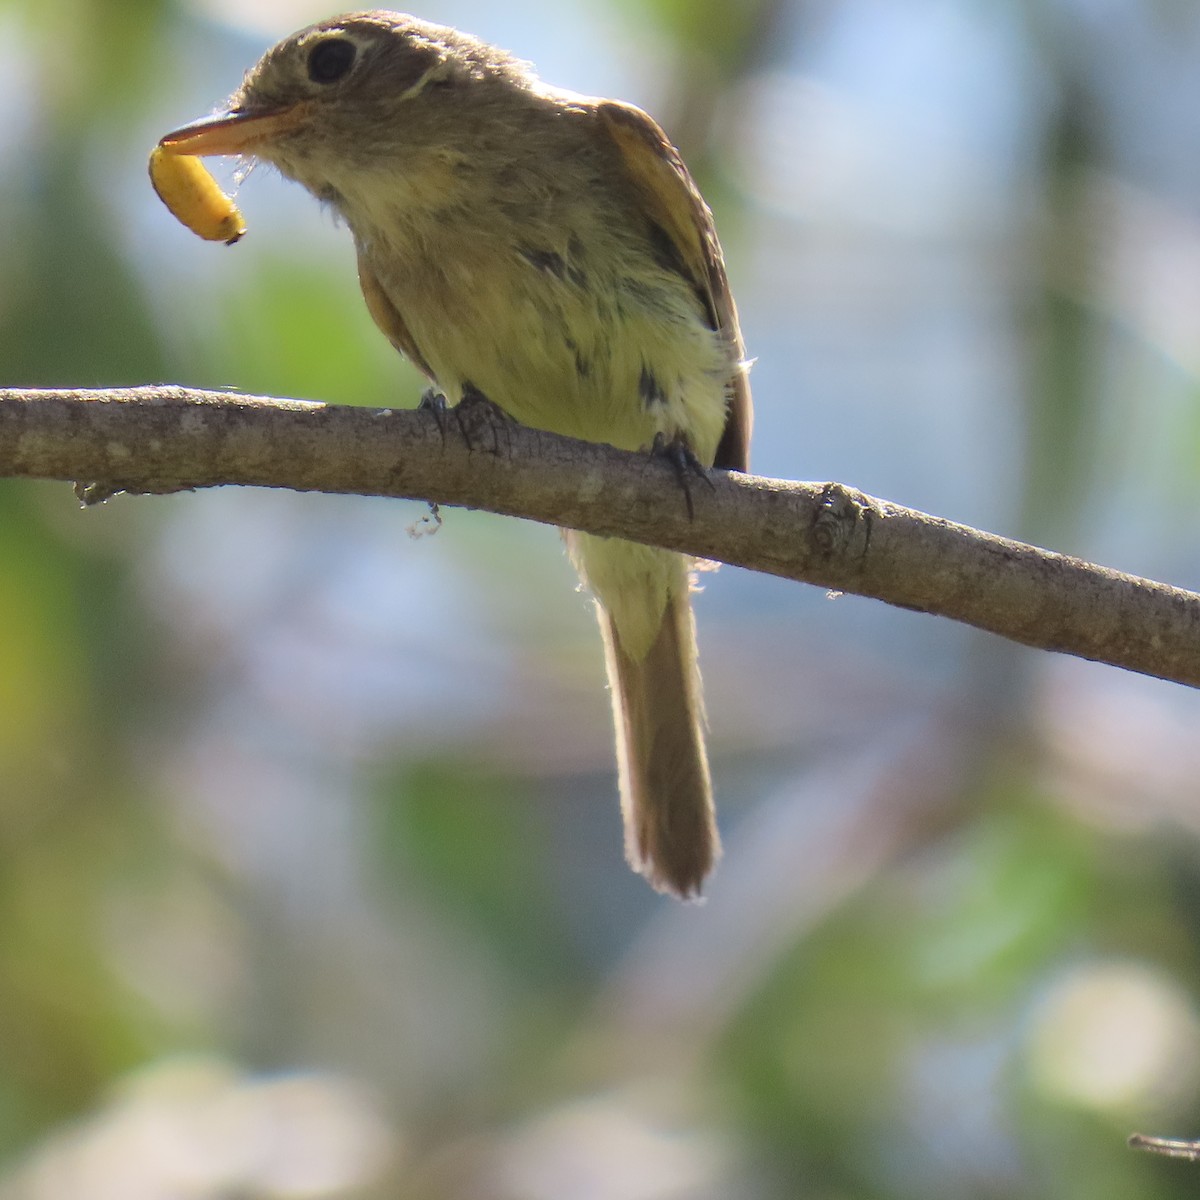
<point x="157" y="440"/>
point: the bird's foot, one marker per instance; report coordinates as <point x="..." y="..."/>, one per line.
<point x="687" y="466"/>
<point x="433" y="402"/>
<point x="481" y="420"/>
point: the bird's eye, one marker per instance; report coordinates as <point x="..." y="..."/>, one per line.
<point x="331" y="60"/>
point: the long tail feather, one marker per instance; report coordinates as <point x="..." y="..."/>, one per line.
<point x="658" y="711"/>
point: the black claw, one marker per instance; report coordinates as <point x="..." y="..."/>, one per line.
<point x="433" y="402"/>
<point x="687" y="466"/>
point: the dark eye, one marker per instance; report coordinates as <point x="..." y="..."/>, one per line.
<point x="331" y="60"/>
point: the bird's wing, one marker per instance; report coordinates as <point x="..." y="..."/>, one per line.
<point x="387" y="317"/>
<point x="678" y="213"/>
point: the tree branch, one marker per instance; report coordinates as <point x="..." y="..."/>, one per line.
<point x="169" y="439"/>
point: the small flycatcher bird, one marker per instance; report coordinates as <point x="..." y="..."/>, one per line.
<point x="549" y="252"/>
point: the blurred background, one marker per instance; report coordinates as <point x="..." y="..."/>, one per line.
<point x="310" y="862"/>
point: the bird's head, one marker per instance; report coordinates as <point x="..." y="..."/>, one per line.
<point x="363" y="94"/>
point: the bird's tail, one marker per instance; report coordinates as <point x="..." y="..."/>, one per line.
<point x="645" y="616"/>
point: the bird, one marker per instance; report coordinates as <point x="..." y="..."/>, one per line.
<point x="549" y="253"/>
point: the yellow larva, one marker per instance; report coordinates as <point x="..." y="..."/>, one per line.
<point x="184" y="185"/>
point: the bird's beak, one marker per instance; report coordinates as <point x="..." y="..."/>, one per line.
<point x="234" y="132"/>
